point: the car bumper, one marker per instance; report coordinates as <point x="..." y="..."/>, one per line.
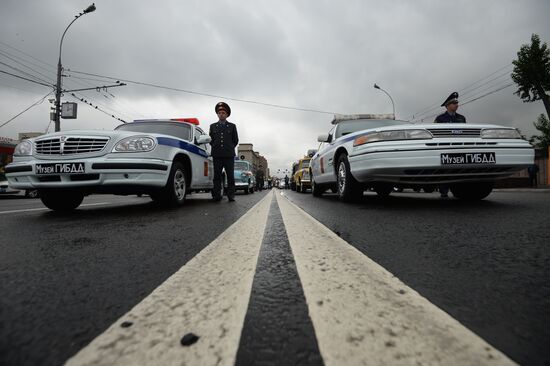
<point x="424" y="165"/>
<point x="98" y="172"/>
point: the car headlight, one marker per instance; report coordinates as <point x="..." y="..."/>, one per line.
<point x="135" y="144"/>
<point x="23" y="148"/>
<point x="392" y="136"/>
<point x="500" y="133"/>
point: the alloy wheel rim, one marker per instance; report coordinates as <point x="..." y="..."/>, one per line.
<point x="341" y="177"/>
<point x="179" y="185"/>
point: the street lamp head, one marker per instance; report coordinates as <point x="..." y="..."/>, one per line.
<point x="89" y="9"/>
<point x="376" y="86"/>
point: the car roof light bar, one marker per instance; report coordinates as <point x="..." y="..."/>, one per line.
<point x="349" y="117"/>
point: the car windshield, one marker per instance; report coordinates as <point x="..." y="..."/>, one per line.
<point x="241" y="165"/>
<point x="176" y="129"/>
<point x="347" y="127"/>
<point x="305" y="163"/>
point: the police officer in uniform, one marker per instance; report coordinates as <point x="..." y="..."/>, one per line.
<point x="224" y="140"/>
<point x="450" y="116"/>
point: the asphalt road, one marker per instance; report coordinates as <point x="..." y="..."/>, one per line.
<point x="66" y="277"/>
<point x="486" y="263"/>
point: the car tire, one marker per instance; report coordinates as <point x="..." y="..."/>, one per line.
<point x="349" y="189"/>
<point x="61" y="200"/>
<point x="175" y="191"/>
<point x="316" y="189"/>
<point x="474" y="191"/>
<point x="293" y="186"/>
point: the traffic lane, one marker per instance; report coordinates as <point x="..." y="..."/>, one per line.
<point x="486" y="263"/>
<point x="66" y="277"/>
<point x="19" y="203"/>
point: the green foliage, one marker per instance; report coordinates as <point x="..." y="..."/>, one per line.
<point x="532" y="71"/>
<point x="543" y="125"/>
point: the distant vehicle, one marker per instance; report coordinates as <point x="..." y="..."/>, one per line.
<point x="5" y="187"/>
<point x="281" y="184"/>
<point x="244" y="179"/>
<point x="164" y="158"/>
<point x="301" y="178"/>
<point x="376" y="151"/>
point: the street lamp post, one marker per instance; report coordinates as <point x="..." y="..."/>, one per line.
<point x="57" y="116"/>
<point x="392" y="104"/>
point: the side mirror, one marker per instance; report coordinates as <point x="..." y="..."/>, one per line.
<point x="324" y="137"/>
<point x="203" y="139"/>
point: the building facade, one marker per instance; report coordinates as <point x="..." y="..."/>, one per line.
<point x="259" y="162"/>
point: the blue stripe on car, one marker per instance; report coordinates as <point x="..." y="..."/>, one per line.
<point x="182" y="145"/>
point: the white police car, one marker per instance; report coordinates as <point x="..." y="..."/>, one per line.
<point x="378" y="152"/>
<point x="164" y="158"/>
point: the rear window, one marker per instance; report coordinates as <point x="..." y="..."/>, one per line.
<point x="347" y="127"/>
<point x="241" y="165"/>
<point x="176" y="129"/>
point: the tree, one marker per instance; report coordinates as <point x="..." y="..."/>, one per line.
<point x="532" y="72"/>
<point x="543" y="125"/>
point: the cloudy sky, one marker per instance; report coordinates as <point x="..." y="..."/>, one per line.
<point x="308" y="54"/>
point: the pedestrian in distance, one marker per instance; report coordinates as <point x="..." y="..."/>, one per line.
<point x="450" y="116"/>
<point x="533" y="170"/>
<point x="224" y="141"/>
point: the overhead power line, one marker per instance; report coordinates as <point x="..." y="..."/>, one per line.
<point x="205" y="94"/>
<point x="467" y="101"/>
<point x="39" y="101"/>
<point x="97" y="108"/>
<point x="21" y="77"/>
<point x="464" y="91"/>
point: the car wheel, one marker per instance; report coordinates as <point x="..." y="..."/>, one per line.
<point x="293" y="186"/>
<point x="61" y="200"/>
<point x="472" y="191"/>
<point x="31" y="193"/>
<point x="173" y="194"/>
<point x="383" y="190"/>
<point x="316" y="189"/>
<point x="348" y="188"/>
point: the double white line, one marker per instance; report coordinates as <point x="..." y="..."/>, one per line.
<point x="361" y="313"/>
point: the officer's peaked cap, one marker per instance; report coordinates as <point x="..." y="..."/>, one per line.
<point x="450" y="99"/>
<point x="224" y="106"/>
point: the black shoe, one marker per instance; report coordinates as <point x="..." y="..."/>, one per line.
<point x="231" y="199"/>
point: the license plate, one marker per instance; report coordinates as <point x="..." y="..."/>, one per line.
<point x="59" y="168"/>
<point x="468" y="158"/>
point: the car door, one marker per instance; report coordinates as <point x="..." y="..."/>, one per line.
<point x="324" y="167"/>
<point x="203" y="169"/>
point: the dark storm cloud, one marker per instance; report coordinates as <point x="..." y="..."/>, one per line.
<point x="312" y="54"/>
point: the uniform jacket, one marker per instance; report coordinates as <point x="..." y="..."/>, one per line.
<point x="447" y="118"/>
<point x="224" y="139"/>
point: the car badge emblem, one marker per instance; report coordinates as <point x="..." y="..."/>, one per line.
<point x="63" y="138"/>
<point x="456" y="132"/>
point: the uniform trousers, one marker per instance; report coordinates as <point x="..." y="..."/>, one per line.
<point x="219" y="165"/>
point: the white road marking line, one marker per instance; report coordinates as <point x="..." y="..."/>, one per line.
<point x="208" y="296"/>
<point x="363" y="315"/>
<point x="45" y="208"/>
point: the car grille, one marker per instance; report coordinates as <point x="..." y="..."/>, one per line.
<point x="71" y="146"/>
<point x="455" y="132"/>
